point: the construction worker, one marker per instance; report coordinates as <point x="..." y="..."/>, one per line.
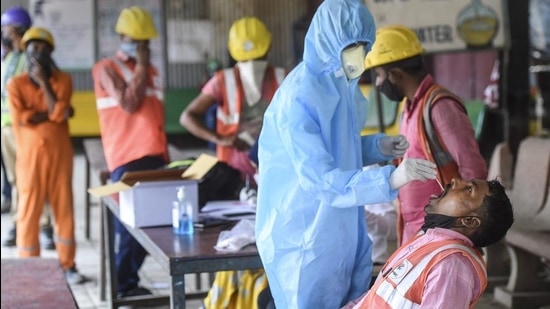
<point x="6" y="185"/>
<point x="129" y="100"/>
<point x="40" y="106"/>
<point x="396" y="58"/>
<point x="242" y="93"/>
<point x="15" y="22"/>
<point x="468" y="216"/>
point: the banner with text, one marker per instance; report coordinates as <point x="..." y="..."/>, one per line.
<point x="446" y="25"/>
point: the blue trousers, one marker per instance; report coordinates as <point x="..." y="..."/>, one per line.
<point x="129" y="254"/>
<point x="6" y="188"/>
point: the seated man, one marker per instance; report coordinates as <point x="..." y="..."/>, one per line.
<point x="443" y="267"/>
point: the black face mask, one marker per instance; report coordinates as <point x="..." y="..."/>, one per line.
<point x="436" y="220"/>
<point x="391" y="91"/>
<point x="41" y="57"/>
<point x="7" y="42"/>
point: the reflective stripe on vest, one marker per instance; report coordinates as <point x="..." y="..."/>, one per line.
<point x="279" y="75"/>
<point x="232" y="96"/>
<point x="395" y="296"/>
<point x="127" y="74"/>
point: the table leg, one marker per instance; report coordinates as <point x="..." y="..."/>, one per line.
<point x="88" y="203"/>
<point x="177" y="298"/>
<point x="110" y="252"/>
<point x="102" y="255"/>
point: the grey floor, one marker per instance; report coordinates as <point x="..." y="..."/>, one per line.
<point x="87" y="258"/>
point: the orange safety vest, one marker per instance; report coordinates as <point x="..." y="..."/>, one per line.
<point x="432" y="145"/>
<point x="401" y="284"/>
<point x="230" y="108"/>
<point x="127" y="137"/>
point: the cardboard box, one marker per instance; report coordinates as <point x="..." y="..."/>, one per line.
<point x="146" y="197"/>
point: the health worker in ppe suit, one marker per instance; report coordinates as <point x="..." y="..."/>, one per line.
<point x="310" y="225"/>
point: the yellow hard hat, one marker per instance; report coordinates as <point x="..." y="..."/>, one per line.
<point x="136" y="23"/>
<point x="393" y="43"/>
<point x="248" y="39"/>
<point x="37" y="33"/>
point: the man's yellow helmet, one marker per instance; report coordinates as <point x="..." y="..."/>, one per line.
<point x="136" y="23"/>
<point x="248" y="39"/>
<point x="392" y="44"/>
<point x="37" y="33"/>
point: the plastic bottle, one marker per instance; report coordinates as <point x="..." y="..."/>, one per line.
<point x="182" y="214"/>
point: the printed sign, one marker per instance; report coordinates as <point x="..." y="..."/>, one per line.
<point x="446" y="25"/>
<point x="71" y="23"/>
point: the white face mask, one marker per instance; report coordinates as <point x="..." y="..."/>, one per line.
<point x="353" y="61"/>
<point x="129" y="48"/>
<point x="252" y="77"/>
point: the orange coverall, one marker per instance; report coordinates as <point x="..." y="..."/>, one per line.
<point x="44" y="164"/>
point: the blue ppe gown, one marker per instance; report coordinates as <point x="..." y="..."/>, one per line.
<point x="310" y="226"/>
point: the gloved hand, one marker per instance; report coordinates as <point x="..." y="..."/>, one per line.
<point x="248" y="195"/>
<point x="412" y="169"/>
<point x="393" y="145"/>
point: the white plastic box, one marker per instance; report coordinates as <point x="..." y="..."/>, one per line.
<point x="146" y="197"/>
<point x="150" y="203"/>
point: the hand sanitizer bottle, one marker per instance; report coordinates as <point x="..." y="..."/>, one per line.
<point x="182" y="214"/>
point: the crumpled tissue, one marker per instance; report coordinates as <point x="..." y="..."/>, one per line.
<point x="241" y="235"/>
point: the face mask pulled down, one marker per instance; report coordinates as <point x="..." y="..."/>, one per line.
<point x="252" y="76"/>
<point x="353" y="61"/>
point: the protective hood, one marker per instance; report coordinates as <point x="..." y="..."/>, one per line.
<point x="335" y="25"/>
<point x="312" y="192"/>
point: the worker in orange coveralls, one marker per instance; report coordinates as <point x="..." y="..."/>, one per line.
<point x="40" y="107"/>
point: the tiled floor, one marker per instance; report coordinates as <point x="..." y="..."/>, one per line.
<point x="87" y="258"/>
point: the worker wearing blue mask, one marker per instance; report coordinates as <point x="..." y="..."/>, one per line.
<point x="310" y="225"/>
<point x="129" y="100"/>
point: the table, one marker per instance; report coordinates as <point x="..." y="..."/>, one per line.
<point x="177" y="254"/>
<point x="96" y="165"/>
<point x="35" y="283"/>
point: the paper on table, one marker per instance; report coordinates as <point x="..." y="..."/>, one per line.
<point x="202" y="165"/>
<point x="221" y="205"/>
<point x="231" y="210"/>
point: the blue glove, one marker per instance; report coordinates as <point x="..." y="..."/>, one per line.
<point x="393" y="145"/>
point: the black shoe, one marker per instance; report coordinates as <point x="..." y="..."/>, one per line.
<point x="9" y="241"/>
<point x="139" y="291"/>
<point x="6" y="206"/>
<point x="46" y="238"/>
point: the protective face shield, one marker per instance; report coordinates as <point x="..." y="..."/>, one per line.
<point x="353" y="61"/>
<point x="391" y="91"/>
<point x="129" y="48"/>
<point x="252" y="77"/>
